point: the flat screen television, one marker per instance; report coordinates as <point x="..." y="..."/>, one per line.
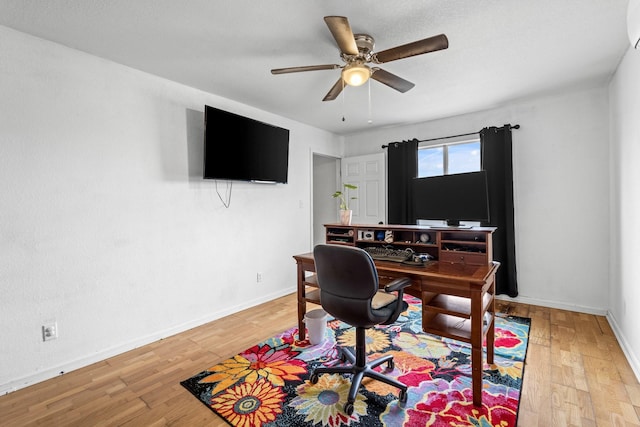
<point x="243" y="149"/>
<point x="453" y="198"/>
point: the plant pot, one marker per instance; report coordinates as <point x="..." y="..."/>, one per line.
<point x="345" y="217"/>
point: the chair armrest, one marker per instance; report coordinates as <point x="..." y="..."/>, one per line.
<point x="397" y="284"/>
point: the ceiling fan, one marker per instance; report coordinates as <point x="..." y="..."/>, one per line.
<point x="356" y="50"/>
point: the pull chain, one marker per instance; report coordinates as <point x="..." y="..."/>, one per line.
<point x="370" y="120"/>
<point x="343" y="96"/>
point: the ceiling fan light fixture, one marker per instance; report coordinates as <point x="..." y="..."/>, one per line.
<point x="356" y="51"/>
<point x="356" y="73"/>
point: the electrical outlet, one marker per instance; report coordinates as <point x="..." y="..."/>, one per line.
<point x="259" y="277"/>
<point x="49" y="331"/>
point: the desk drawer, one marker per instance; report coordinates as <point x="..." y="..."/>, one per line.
<point x="460" y="257"/>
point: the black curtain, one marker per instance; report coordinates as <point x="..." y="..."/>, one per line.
<point x="402" y="167"/>
<point x="497" y="161"/>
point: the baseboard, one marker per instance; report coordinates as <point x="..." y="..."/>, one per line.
<point x="626" y="349"/>
<point x="555" y="304"/>
<point x="70" y="366"/>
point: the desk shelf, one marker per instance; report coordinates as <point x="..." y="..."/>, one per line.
<point x="450" y="316"/>
<point x="466" y="247"/>
<point x="445" y="325"/>
<point x="456" y="306"/>
<point x="458" y="246"/>
<point x="313" y="296"/>
<point x="311" y="289"/>
<point x="454" y="327"/>
<point x="337" y="234"/>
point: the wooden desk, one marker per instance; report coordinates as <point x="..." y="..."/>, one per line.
<point x="457" y="302"/>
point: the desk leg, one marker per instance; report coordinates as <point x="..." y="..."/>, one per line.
<point x="302" y="303"/>
<point x="491" y="333"/>
<point x="476" y="346"/>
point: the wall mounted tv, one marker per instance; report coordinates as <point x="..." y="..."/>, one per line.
<point x="243" y="149"/>
<point x="453" y="198"/>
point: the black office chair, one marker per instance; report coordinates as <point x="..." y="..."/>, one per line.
<point x="348" y="283"/>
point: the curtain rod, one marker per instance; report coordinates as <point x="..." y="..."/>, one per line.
<point x="454" y="136"/>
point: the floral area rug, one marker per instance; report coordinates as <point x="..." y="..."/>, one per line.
<point x="268" y="384"/>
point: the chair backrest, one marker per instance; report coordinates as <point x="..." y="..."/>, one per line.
<point x="348" y="280"/>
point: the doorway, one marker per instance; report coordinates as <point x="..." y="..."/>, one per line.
<point x="368" y="172"/>
<point x="326" y="180"/>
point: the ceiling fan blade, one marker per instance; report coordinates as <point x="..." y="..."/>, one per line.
<point x="391" y="80"/>
<point x="305" y="68"/>
<point x="419" y="47"/>
<point x="341" y="31"/>
<point x="334" y="91"/>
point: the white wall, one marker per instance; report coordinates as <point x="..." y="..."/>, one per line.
<point x="624" y="292"/>
<point x="106" y="225"/>
<point x="561" y="176"/>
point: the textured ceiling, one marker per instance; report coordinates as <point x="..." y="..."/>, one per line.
<point x="499" y="50"/>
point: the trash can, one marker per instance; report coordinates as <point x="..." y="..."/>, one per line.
<point x="316" y="321"/>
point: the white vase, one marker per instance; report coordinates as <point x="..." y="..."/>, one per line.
<point x="345" y="216"/>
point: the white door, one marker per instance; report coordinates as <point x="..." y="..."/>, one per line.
<point x="368" y="173"/>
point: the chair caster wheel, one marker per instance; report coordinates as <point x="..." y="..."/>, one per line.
<point x="390" y="365"/>
<point x="314" y="378"/>
<point x="348" y="408"/>
<point x="402" y="398"/>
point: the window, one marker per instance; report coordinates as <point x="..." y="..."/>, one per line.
<point x="446" y="159"/>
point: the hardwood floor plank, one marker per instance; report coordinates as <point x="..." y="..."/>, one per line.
<point x="575" y="375"/>
<point x="536" y="386"/>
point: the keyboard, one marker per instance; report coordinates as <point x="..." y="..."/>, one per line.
<point x="384" y="253"/>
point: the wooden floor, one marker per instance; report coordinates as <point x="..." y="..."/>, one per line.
<point x="575" y="375"/>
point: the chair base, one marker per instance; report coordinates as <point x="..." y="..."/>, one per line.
<point x="360" y="369"/>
